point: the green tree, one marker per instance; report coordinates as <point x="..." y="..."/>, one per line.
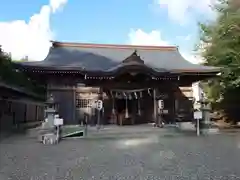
<point x="6" y="69"/>
<point x="221" y="47"/>
<point x="10" y="75"/>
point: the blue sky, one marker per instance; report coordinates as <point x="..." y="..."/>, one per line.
<point x="27" y="26"/>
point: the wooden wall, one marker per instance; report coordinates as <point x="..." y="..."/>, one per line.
<point x="19" y="113"/>
<point x="177" y="100"/>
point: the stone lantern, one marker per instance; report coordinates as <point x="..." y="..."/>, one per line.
<point x="206" y="126"/>
<point x="206" y="110"/>
<point x="48" y="129"/>
<point x="50" y="111"/>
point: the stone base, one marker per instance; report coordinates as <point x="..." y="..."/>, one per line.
<point x="42" y="132"/>
<point x="46" y="132"/>
<point x="208" y="128"/>
<point x="208" y="131"/>
<point x="186" y="126"/>
<point x="50" y="139"/>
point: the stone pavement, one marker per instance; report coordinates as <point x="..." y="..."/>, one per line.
<point x="149" y="156"/>
<point x="129" y="131"/>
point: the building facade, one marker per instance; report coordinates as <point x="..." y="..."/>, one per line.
<point x="128" y="79"/>
<point x="19" y="109"/>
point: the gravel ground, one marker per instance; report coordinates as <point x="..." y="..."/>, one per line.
<point x="149" y="157"/>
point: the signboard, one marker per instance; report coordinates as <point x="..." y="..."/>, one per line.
<point x="94" y="104"/>
<point x="165" y="111"/>
<point x="99" y="104"/>
<point x="160" y="104"/>
<point x="58" y="121"/>
<point x="197" y="115"/>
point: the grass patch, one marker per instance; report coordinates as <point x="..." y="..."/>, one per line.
<point x="71" y="129"/>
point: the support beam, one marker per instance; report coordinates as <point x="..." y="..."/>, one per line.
<point x="74" y="110"/>
<point x="155" y="107"/>
<point x="100" y="112"/>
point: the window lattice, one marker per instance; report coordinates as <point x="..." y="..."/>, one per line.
<point x="83" y="103"/>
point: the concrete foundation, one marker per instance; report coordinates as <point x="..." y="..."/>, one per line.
<point x="186" y="126"/>
<point x="189" y="126"/>
<point x="208" y="131"/>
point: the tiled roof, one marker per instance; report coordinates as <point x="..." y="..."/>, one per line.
<point x="104" y="57"/>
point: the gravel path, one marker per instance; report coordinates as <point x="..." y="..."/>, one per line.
<point x="146" y="157"/>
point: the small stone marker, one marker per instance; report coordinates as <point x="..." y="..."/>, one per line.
<point x="50" y="138"/>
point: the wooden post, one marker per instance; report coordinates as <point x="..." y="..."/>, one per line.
<point x="98" y="119"/>
<point x="198" y="127"/>
<point x="25" y="113"/>
<point x="154" y="107"/>
<point x="74" y="110"/>
<point x="113" y="113"/>
<point x="100" y="112"/>
<point x="36" y="112"/>
<point x="176" y="107"/>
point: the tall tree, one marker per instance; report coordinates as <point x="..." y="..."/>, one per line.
<point x="221" y="40"/>
<point x="11" y="76"/>
<point x="6" y="70"/>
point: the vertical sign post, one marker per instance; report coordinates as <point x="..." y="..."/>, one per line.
<point x="160" y="104"/>
<point x="57" y="123"/>
<point x="198" y="128"/>
<point x="99" y="107"/>
<point x="160" y="109"/>
<point x="197" y="117"/>
<point x="85" y="124"/>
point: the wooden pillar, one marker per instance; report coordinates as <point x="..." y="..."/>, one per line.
<point x="113" y="113"/>
<point x="176" y="108"/>
<point x="74" y="89"/>
<point x="25" y="113"/>
<point x="36" y="112"/>
<point x="100" y="97"/>
<point x="154" y="106"/>
<point x="176" y="103"/>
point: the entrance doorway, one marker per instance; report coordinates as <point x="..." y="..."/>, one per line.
<point x="125" y="110"/>
<point x="132" y="107"/>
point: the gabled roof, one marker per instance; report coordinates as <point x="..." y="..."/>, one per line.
<point x="104" y="57"/>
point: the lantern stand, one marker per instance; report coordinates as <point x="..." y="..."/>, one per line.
<point x="50" y="132"/>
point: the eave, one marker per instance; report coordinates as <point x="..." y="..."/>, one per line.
<point x="11" y="91"/>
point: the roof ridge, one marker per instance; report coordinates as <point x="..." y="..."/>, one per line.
<point x="117" y="46"/>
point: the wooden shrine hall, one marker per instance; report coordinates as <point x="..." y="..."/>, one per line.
<point x="129" y="80"/>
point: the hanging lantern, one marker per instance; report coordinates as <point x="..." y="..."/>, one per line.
<point x="149" y="92"/>
<point x="135" y="95"/>
<point x="118" y="95"/>
<point x="124" y="95"/>
<point x="139" y="107"/>
<point x="130" y="96"/>
<point x="138" y="102"/>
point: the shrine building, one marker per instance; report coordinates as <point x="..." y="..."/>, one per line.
<point x="129" y="79"/>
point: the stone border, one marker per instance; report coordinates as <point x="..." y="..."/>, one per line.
<point x="209" y="131"/>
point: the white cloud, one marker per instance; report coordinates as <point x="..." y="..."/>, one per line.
<point x="192" y="57"/>
<point x="183" y="10"/>
<point x="185" y="38"/>
<point x="57" y="4"/>
<point x="21" y="38"/>
<point x="139" y="37"/>
<point x="143" y="38"/>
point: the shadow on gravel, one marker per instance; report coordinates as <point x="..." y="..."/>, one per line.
<point x="13" y="133"/>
